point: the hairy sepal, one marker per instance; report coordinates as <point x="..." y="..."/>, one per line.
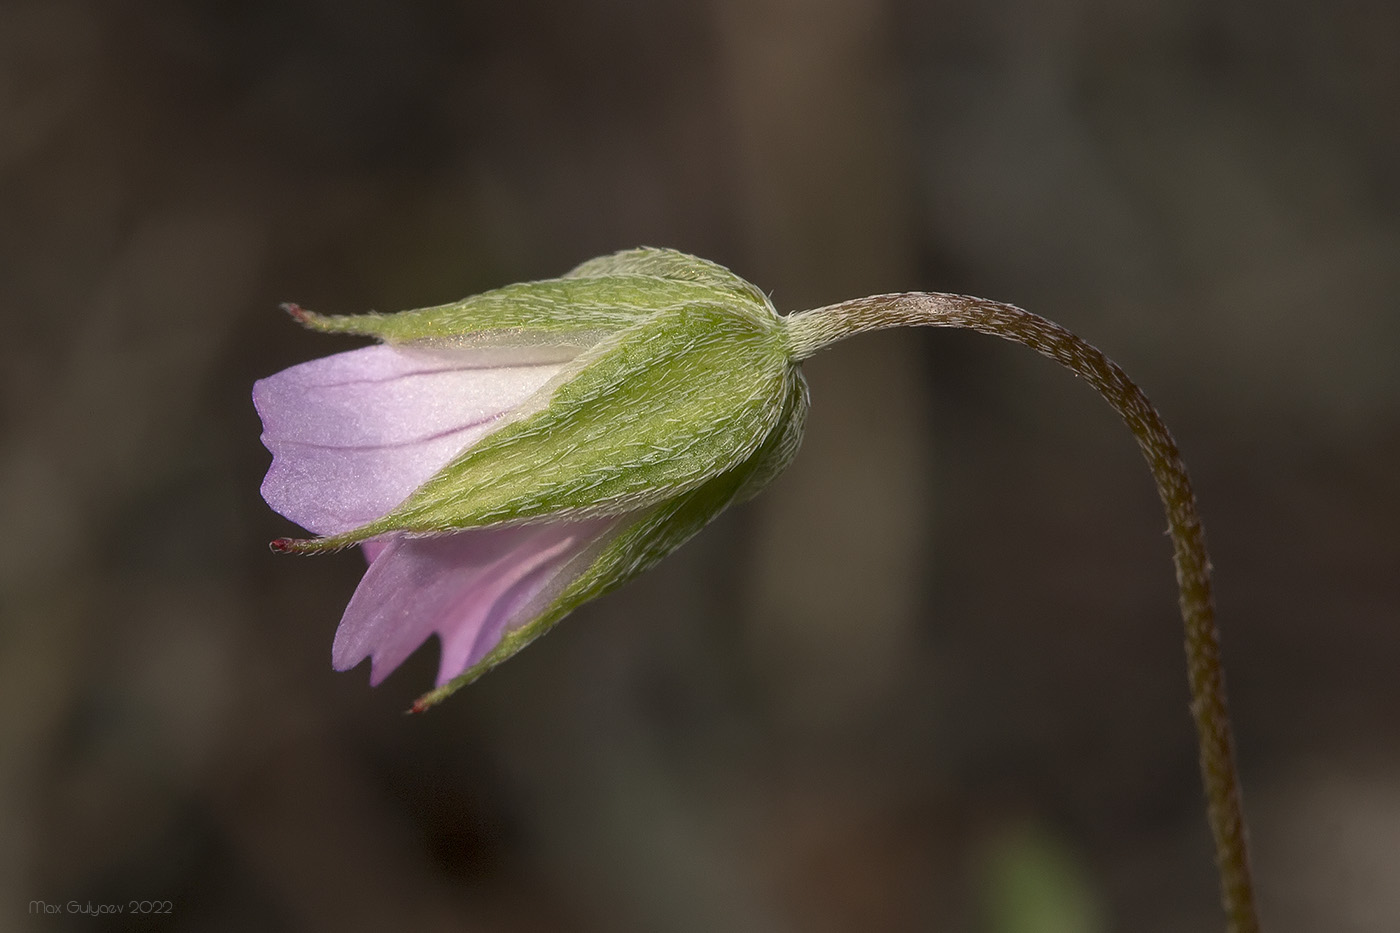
<point x="673" y="265"/>
<point x="651" y="412"/>
<point x="655" y="534"/>
<point x="599" y="297"/>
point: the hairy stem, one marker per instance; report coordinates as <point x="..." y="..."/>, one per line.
<point x="809" y="331"/>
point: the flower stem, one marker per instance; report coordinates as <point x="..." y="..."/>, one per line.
<point x="810" y="331"/>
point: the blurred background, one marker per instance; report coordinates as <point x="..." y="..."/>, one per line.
<point x="931" y="680"/>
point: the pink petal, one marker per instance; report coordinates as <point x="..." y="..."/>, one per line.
<point x="374" y="547"/>
<point x="353" y="434"/>
<point x="470" y="588"/>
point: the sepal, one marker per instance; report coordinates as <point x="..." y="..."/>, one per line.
<point x="652" y="536"/>
<point x="599" y="297"/>
<point x="652" y="412"/>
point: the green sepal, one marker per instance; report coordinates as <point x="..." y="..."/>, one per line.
<point x="600" y="297"/>
<point x="669" y="264"/>
<point x="658" y="532"/>
<point x="651" y="412"/>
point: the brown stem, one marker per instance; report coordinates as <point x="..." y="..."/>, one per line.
<point x="809" y="331"/>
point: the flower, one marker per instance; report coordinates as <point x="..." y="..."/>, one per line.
<point x="508" y="457"/>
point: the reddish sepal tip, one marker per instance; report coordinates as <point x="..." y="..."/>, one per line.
<point x="282" y="545"/>
<point x="419" y="706"/>
<point x="296" y="311"/>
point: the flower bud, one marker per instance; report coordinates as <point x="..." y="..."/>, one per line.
<point x="507" y="457"/>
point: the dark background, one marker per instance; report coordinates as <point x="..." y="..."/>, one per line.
<point x="931" y="680"/>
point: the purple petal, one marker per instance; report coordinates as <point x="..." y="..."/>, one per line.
<point x="374" y="547"/>
<point x="353" y="434"/>
<point x="470" y="588"/>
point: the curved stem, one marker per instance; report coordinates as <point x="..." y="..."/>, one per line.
<point x="810" y="331"/>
